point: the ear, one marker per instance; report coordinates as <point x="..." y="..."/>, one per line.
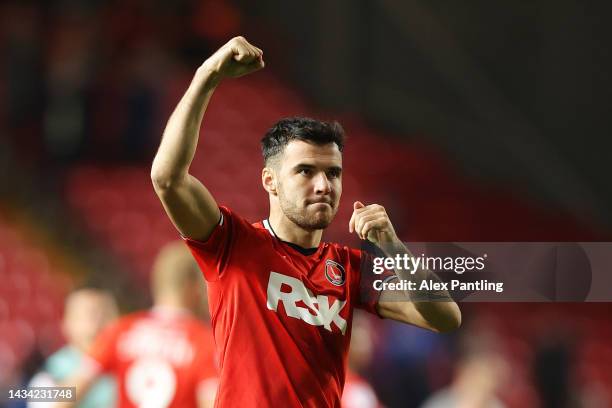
<point x="268" y="180"/>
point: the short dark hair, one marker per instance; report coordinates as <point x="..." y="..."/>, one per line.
<point x="298" y="128"/>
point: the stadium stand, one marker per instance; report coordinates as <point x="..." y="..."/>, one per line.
<point x="34" y="284"/>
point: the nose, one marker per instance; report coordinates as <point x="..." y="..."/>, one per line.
<point x="322" y="184"/>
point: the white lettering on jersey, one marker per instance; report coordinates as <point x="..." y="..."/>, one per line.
<point x="324" y="314"/>
<point x="150" y="383"/>
<point x="146" y="340"/>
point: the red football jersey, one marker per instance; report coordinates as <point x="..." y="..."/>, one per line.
<point x="159" y="357"/>
<point x="281" y="318"/>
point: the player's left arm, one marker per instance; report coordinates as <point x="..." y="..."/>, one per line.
<point x="371" y="222"/>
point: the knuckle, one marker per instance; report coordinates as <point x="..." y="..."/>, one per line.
<point x="236" y="41"/>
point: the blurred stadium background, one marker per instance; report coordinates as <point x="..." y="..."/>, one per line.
<point x="485" y="121"/>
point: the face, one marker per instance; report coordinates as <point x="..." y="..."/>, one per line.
<point x="309" y="183"/>
<point x="87" y="313"/>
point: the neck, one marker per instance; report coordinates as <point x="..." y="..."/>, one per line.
<point x="170" y="302"/>
<point x="83" y="345"/>
<point x="288" y="231"/>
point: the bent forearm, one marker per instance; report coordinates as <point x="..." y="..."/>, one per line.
<point x="180" y="137"/>
<point x="435" y="306"/>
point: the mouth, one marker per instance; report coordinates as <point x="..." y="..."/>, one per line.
<point x="321" y="204"/>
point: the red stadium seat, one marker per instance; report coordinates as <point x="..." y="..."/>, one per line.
<point x="28" y="295"/>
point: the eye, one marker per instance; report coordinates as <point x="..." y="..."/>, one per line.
<point x="334" y="173"/>
<point x="305" y="171"/>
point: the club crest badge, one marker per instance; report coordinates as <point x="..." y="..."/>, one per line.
<point x="334" y="272"/>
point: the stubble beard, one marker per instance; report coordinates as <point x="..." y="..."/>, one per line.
<point x="300" y="217"/>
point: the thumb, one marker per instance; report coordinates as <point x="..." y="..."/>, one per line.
<point x="356" y="205"/>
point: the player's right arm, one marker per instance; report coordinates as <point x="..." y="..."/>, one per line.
<point x="190" y="206"/>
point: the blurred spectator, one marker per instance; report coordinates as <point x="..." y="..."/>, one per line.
<point x="86" y="313"/>
<point x="21" y="72"/>
<point x="552" y="370"/>
<point x="163" y="357"/>
<point x="403" y="354"/>
<point x="478" y="378"/>
<point x="480" y="372"/>
<point x="88" y="79"/>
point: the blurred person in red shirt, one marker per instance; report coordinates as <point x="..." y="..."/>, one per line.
<point x="162" y="357"/>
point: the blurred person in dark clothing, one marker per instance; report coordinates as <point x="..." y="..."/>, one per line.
<point x="552" y="370"/>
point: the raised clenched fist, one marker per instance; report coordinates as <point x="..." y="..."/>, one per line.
<point x="236" y="58"/>
<point x="371" y="222"/>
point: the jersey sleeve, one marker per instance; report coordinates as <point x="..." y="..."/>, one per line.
<point x="103" y="349"/>
<point x="368" y="295"/>
<point x="213" y="254"/>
